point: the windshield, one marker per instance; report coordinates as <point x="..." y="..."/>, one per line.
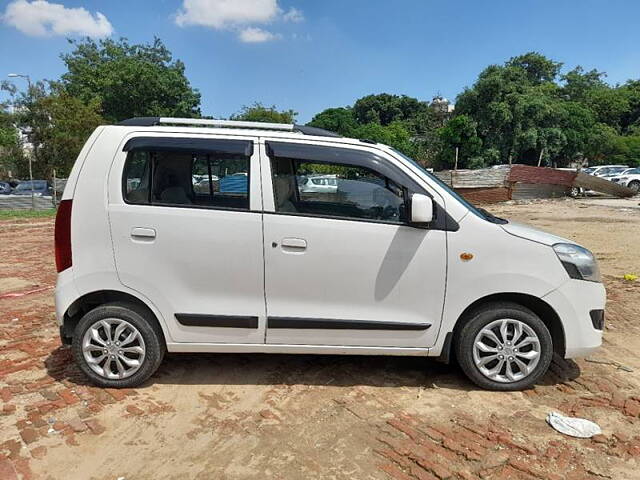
<point x="480" y="212"/>
<point x="37" y="185"/>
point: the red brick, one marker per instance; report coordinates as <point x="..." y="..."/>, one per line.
<point x="59" y="426"/>
<point x="39" y="452"/>
<point x="5" y="394"/>
<point x="29" y="435"/>
<point x="632" y="408"/>
<point x="437" y="469"/>
<point x="77" y="425"/>
<point x="94" y="426"/>
<point x="7" y="472"/>
<point x="69" y="397"/>
<point x="393" y="471"/>
<point x="8" y="408"/>
<point x="133" y="410"/>
<point x="10" y="448"/>
<point x="116" y="394"/>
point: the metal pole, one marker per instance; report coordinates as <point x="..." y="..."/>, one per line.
<point x="455" y="166"/>
<point x="33" y="193"/>
<point x="54" y="188"/>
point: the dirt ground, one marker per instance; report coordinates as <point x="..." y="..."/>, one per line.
<point x="290" y="417"/>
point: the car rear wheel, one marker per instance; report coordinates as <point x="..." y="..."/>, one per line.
<point x="118" y="345"/>
<point x="504" y="346"/>
<point x="574" y="192"/>
<point x="635" y="186"/>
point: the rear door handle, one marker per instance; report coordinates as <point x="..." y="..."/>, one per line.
<point x="294" y="243"/>
<point x="143" y="233"/>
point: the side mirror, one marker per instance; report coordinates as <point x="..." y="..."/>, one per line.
<point x="421" y="209"/>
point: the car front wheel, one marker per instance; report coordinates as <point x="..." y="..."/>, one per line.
<point x="504" y="346"/>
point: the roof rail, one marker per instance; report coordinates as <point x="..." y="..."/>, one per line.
<point x="283" y="127"/>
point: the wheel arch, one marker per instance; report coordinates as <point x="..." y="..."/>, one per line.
<point x="537" y="305"/>
<point x="91" y="300"/>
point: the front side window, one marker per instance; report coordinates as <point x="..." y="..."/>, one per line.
<point x="217" y="179"/>
<point x="332" y="189"/>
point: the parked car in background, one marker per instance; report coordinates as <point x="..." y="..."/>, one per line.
<point x="318" y="184"/>
<point x="602" y="170"/>
<point x="629" y="178"/>
<point x="5" y="188"/>
<point x="40" y="188"/>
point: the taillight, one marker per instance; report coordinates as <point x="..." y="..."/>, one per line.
<point x="63" y="236"/>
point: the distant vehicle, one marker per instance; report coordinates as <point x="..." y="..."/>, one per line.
<point x="629" y="178"/>
<point x="601" y="170"/>
<point x="40" y="188"/>
<point x="610" y="176"/>
<point x="5" y="188"/>
<point x="319" y="184"/>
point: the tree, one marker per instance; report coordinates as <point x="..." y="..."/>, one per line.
<point x="386" y="109"/>
<point x="394" y="135"/>
<point x="538" y="68"/>
<point x="129" y="80"/>
<point x="460" y="132"/>
<point x="340" y="120"/>
<point x="259" y="113"/>
<point x="58" y="126"/>
<point x="11" y="153"/>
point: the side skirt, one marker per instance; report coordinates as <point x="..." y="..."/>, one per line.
<point x="293" y="349"/>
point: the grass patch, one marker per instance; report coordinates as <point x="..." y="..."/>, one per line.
<point x="17" y="214"/>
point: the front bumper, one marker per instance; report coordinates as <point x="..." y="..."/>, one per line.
<point x="573" y="302"/>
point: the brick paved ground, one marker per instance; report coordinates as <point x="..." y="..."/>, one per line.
<point x="258" y="416"/>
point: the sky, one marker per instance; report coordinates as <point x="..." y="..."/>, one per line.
<point x="308" y="55"/>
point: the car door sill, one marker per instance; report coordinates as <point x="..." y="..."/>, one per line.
<point x="294" y="349"/>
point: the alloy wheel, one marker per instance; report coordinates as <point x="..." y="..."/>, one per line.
<point x="113" y="348"/>
<point x="506" y="350"/>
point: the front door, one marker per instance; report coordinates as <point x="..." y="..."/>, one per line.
<point x="186" y="224"/>
<point x="342" y="265"/>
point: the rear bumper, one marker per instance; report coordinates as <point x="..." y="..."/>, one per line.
<point x="574" y="303"/>
<point x="65" y="294"/>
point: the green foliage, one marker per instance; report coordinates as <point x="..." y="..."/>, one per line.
<point x="340" y="120"/>
<point x="10" y="143"/>
<point x="259" y="113"/>
<point x="461" y="132"/>
<point x="129" y="80"/>
<point x="58" y="125"/>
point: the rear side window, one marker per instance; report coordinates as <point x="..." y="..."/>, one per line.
<point x="196" y="174"/>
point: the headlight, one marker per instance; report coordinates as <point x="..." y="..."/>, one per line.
<point x="578" y="262"/>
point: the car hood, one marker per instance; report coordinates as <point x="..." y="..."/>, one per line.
<point x="529" y="233"/>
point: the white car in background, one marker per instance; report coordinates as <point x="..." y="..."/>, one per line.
<point x="319" y="184"/>
<point x="604" y="170"/>
<point x="629" y="178"/>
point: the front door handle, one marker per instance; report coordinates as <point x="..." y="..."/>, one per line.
<point x="296" y="244"/>
<point x="140" y="233"/>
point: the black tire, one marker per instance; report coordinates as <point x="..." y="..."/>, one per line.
<point x="574" y="192"/>
<point x="143" y="321"/>
<point x="483" y="316"/>
<point x="635" y="186"/>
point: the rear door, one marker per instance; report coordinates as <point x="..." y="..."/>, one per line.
<point x="186" y="224"/>
<point x="342" y="265"/>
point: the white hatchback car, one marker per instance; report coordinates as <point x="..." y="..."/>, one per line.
<point x="392" y="263"/>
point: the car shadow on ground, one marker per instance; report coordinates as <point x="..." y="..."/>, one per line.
<point x="282" y="369"/>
